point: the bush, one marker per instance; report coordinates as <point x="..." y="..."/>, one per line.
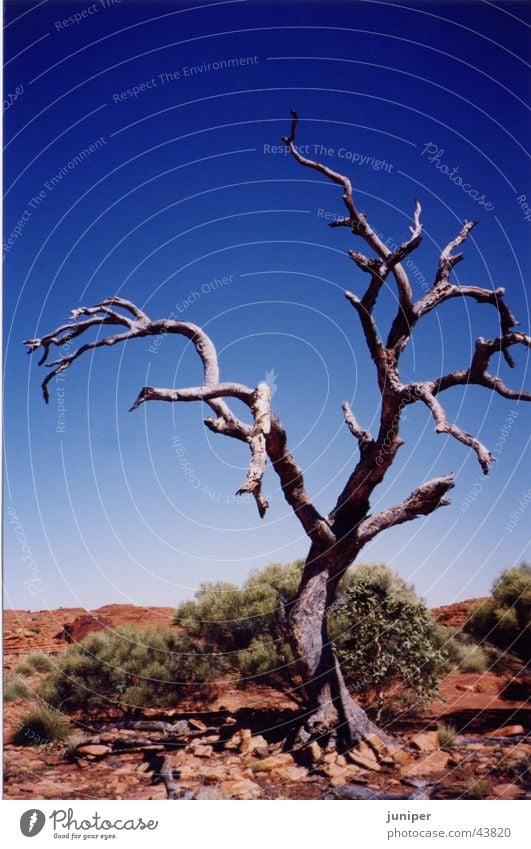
<point x="385" y="639"/>
<point x="505" y="619"/>
<point x="477" y="789"/>
<point x="39" y="662"/>
<point x="33" y="663"/>
<point x="42" y="727"/>
<point x="23" y="668"/>
<point x="519" y="770"/>
<point x="376" y="613"/>
<point x="14" y="689"/>
<point x="446" y="735"/>
<point x="247" y="624"/>
<point x="460" y="651"/>
<point x="129" y="668"/>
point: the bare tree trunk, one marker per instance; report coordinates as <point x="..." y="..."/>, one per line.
<point x="333" y="718"/>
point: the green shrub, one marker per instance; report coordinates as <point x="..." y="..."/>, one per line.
<point x="247" y="624"/>
<point x="519" y="770"/>
<point x="505" y="619"/>
<point x="33" y="663"/>
<point x="39" y="662"/>
<point x="446" y="735"/>
<point x="24" y="668"/>
<point x="385" y="639"/>
<point x="460" y="651"/>
<point x="381" y="630"/>
<point x="477" y="789"/>
<point x="14" y="689"/>
<point x="129" y="668"/>
<point x="42" y="727"/>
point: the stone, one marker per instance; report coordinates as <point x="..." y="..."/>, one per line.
<point x="427" y="741"/>
<point x="366" y="752"/>
<point x="241" y="789"/>
<point x="399" y="755"/>
<point x="95" y="751"/>
<point x="213" y="776"/>
<point x="429" y="765"/>
<point x="199" y="750"/>
<point x="314" y="752"/>
<point x="378" y="746"/>
<point x="254" y="745"/>
<point x="507" y="791"/>
<point x="362" y="761"/>
<point x="274" y="762"/>
<point x="289" y="773"/>
<point x="508" y="731"/>
<point x="197" y="724"/>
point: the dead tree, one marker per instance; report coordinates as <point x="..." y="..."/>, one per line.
<point x="335" y="539"/>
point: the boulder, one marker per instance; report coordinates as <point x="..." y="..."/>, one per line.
<point x="94" y="751"/>
<point x="201" y="751"/>
<point x="362" y="761"/>
<point x="508" y="731"/>
<point x="507" y="791"/>
<point x="377" y="745"/>
<point x="314" y="752"/>
<point x="254" y="745"/>
<point x="197" y="724"/>
<point x="427" y="741"/>
<point x="241" y="789"/>
<point x="431" y="764"/>
<point x="289" y="773"/>
<point x="274" y="762"/>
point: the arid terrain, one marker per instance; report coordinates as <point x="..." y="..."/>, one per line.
<point x="235" y="748"/>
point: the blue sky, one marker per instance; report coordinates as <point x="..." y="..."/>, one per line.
<point x="182" y="205"/>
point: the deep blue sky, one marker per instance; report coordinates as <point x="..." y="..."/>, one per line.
<point x="180" y="191"/>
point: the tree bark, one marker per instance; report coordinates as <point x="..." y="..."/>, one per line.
<point x="333" y="718"/>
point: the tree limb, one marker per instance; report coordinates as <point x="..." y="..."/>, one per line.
<point x="442" y="425"/>
<point x="422" y="501"/>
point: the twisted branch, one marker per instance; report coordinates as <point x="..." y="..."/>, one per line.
<point x="421" y="502"/>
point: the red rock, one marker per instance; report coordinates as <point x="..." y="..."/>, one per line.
<point x="242" y="789"/>
<point x="431" y="764"/>
<point x="274" y="762"/>
<point x="427" y="741"/>
<point x="94" y="751"/>
<point x="362" y="761"/>
<point x="507" y="791"/>
<point x="508" y="731"/>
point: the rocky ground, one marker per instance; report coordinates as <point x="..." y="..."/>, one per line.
<point x="235" y="749"/>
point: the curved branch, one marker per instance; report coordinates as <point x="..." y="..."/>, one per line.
<point x="442" y="425"/>
<point x="363" y="436"/>
<point x="356" y="220"/>
<point x="422" y="501"/>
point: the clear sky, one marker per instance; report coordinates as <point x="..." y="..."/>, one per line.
<point x="140" y="161"/>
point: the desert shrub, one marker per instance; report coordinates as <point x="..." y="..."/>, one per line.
<point x="247" y="624"/>
<point x="505" y="619"/>
<point x="446" y="735"/>
<point x="519" y="770"/>
<point x="42" y="727"/>
<point x="383" y="634"/>
<point x="477" y="789"/>
<point x="24" y="668"/>
<point x="32" y="663"/>
<point x="39" y="662"/>
<point x="385" y="639"/>
<point x="14" y="688"/>
<point x="460" y="650"/>
<point x="129" y="668"/>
